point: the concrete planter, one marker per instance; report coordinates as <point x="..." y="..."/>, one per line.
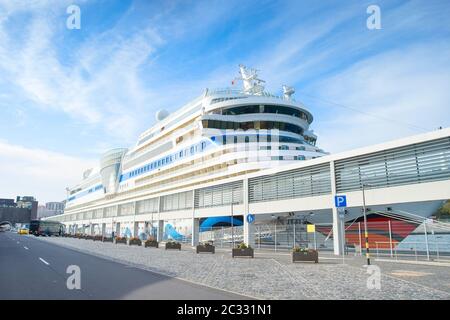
<point x="135" y="242"/>
<point x="173" y="245"/>
<point x="107" y="239"/>
<point x="123" y="241"/>
<point x="206" y="248"/>
<point x="151" y="243"/>
<point x="310" y="255"/>
<point x="247" y="252"/>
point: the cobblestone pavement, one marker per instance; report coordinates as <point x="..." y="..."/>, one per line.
<point x="273" y="276"/>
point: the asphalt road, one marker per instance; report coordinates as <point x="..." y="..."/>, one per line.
<point x="33" y="269"/>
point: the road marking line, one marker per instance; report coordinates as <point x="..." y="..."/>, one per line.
<point x="25" y="248"/>
<point x="44" y="261"/>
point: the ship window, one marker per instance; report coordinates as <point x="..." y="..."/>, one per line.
<point x="181" y="154"/>
<point x="276" y="109"/>
<point x="265" y="125"/>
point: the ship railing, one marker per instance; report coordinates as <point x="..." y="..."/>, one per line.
<point x="239" y="92"/>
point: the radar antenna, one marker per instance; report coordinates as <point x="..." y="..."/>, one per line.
<point x="288" y="92"/>
<point x="249" y="77"/>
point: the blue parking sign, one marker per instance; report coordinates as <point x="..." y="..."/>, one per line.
<point x="340" y="201"/>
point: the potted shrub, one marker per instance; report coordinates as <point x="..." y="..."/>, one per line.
<point x="173" y="245"/>
<point x="107" y="239"/>
<point x="120" y="240"/>
<point x="78" y="236"/>
<point x="134" y="242"/>
<point x="151" y="242"/>
<point x="242" y="250"/>
<point x="304" y="254"/>
<point x="206" y="247"/>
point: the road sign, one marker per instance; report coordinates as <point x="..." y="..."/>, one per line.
<point x="310" y="228"/>
<point x="250" y="218"/>
<point x="341" y="212"/>
<point x="340" y="201"/>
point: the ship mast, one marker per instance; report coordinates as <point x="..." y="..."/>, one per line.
<point x="252" y="84"/>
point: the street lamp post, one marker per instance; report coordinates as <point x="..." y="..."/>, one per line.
<point x="232" y="224"/>
<point x="366" y="233"/>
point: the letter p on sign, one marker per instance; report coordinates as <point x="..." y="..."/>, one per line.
<point x="340" y="201"/>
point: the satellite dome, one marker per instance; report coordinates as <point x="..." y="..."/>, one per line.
<point x="161" y="115"/>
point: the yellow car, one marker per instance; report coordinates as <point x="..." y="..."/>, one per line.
<point x="22" y="231"/>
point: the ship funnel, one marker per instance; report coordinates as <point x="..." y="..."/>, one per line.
<point x="110" y="169"/>
<point x="288" y="92"/>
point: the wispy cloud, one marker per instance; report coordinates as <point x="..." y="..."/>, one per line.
<point x="399" y="94"/>
<point x="101" y="88"/>
<point x="38" y="172"/>
<point x="106" y="81"/>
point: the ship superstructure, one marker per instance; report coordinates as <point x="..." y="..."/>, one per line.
<point x="222" y="133"/>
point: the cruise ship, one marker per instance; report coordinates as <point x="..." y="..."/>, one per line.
<point x="222" y="133"/>
<point x="232" y="155"/>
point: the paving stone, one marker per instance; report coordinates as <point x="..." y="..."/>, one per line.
<point x="269" y="277"/>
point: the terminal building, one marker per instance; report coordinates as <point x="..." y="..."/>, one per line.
<point x="243" y="157"/>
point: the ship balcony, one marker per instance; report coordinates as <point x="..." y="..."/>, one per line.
<point x="231" y="155"/>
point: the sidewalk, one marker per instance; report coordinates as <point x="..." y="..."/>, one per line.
<point x="267" y="276"/>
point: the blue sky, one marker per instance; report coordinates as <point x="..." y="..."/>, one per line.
<point x="68" y="95"/>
